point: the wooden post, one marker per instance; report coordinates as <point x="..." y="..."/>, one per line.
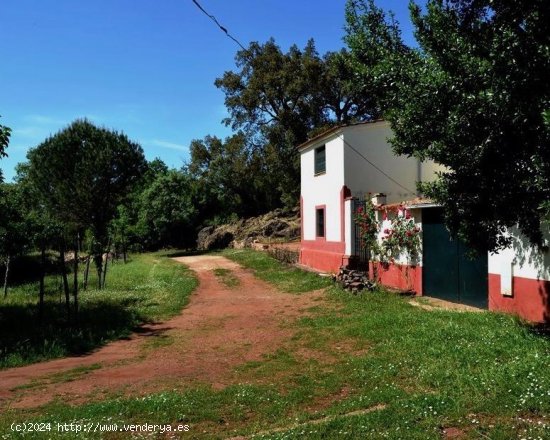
<point x="75" y="278"/>
<point x="42" y="275"/>
<point x="65" y="281"/>
<point x="6" y="276"/>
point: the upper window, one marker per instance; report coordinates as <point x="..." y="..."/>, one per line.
<point x="320" y="160"/>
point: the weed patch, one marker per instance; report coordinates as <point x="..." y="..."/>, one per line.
<point x="227" y="278"/>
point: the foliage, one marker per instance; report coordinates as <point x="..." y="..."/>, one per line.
<point x="84" y="172"/>
<point x="5" y="133"/>
<point x="147" y="289"/>
<point x="376" y="49"/>
<point x="233" y="178"/>
<point x="471" y="98"/>
<point x="82" y="175"/>
<point x="14" y="235"/>
<point x="279" y="98"/>
<point x="168" y="213"/>
<point x="402" y="237"/>
<point x="369" y="226"/>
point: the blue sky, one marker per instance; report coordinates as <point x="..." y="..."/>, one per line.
<point x="139" y="66"/>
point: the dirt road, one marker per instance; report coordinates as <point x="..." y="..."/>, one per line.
<point x="221" y="328"/>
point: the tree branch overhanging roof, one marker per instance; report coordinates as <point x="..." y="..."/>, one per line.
<point x="334" y="130"/>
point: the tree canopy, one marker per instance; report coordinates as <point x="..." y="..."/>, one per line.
<point x="5" y="133"/>
<point x="84" y="173"/>
<point x="471" y="97"/>
<point x="279" y="98"/>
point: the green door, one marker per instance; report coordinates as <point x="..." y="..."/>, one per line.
<point x="448" y="272"/>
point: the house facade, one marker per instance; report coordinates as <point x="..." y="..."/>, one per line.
<point x="341" y="166"/>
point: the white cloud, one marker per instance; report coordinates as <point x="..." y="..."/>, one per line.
<point x="45" y="120"/>
<point x="29" y="132"/>
<point x="169" y="145"/>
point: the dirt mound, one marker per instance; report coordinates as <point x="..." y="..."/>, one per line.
<point x="278" y="225"/>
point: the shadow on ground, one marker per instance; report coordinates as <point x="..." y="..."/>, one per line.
<point x="23" y="341"/>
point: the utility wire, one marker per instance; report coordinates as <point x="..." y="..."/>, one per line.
<point x="218" y="24"/>
<point x="215" y="20"/>
<point x="376" y="167"/>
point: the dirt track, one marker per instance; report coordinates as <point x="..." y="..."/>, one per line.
<point x="220" y="328"/>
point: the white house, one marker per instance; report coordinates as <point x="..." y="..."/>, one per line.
<point x="342" y="165"/>
<point x="335" y="166"/>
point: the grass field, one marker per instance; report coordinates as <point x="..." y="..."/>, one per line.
<point x="369" y="366"/>
<point x="287" y="278"/>
<point x="149" y="288"/>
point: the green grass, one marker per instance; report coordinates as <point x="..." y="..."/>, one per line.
<point x="227" y="277"/>
<point x="147" y="289"/>
<point x="287" y="278"/>
<point x="485" y="374"/>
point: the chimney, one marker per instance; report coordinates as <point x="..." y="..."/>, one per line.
<point x="379" y="199"/>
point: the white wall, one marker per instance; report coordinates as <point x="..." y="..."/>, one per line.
<point x="371" y="140"/>
<point x="349" y="227"/>
<point x="520" y="260"/>
<point x="323" y="189"/>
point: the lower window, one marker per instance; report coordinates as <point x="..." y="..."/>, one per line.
<point x="320" y="222"/>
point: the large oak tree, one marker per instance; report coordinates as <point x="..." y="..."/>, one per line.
<point x="280" y="98"/>
<point x="471" y="97"/>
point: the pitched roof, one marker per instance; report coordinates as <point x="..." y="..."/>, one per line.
<point x="333" y="130"/>
<point x="417" y="203"/>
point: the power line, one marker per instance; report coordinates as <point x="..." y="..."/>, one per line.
<point x="376" y="167"/>
<point x="213" y="18"/>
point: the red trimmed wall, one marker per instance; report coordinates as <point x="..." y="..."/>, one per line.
<point x="531" y="299"/>
<point x="400" y="277"/>
<point x="326" y="256"/>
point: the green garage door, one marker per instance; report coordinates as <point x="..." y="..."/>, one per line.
<point x="448" y="273"/>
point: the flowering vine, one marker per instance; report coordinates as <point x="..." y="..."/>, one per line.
<point x="369" y="226"/>
<point x="401" y="236"/>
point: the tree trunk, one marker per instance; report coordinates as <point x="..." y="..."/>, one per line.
<point x="65" y="281"/>
<point x="106" y="261"/>
<point x="124" y="258"/>
<point x="75" y="279"/>
<point x="42" y="275"/>
<point x="6" y="276"/>
<point x="86" y="272"/>
<point x="105" y="269"/>
<point x="98" y="259"/>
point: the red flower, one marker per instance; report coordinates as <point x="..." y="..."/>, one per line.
<point x="360" y="210"/>
<point x="407" y="214"/>
<point x="386" y="231"/>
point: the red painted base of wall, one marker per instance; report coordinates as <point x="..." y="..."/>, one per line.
<point x="402" y="277"/>
<point x="327" y="256"/>
<point x="531" y="299"/>
<point x="324" y="261"/>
